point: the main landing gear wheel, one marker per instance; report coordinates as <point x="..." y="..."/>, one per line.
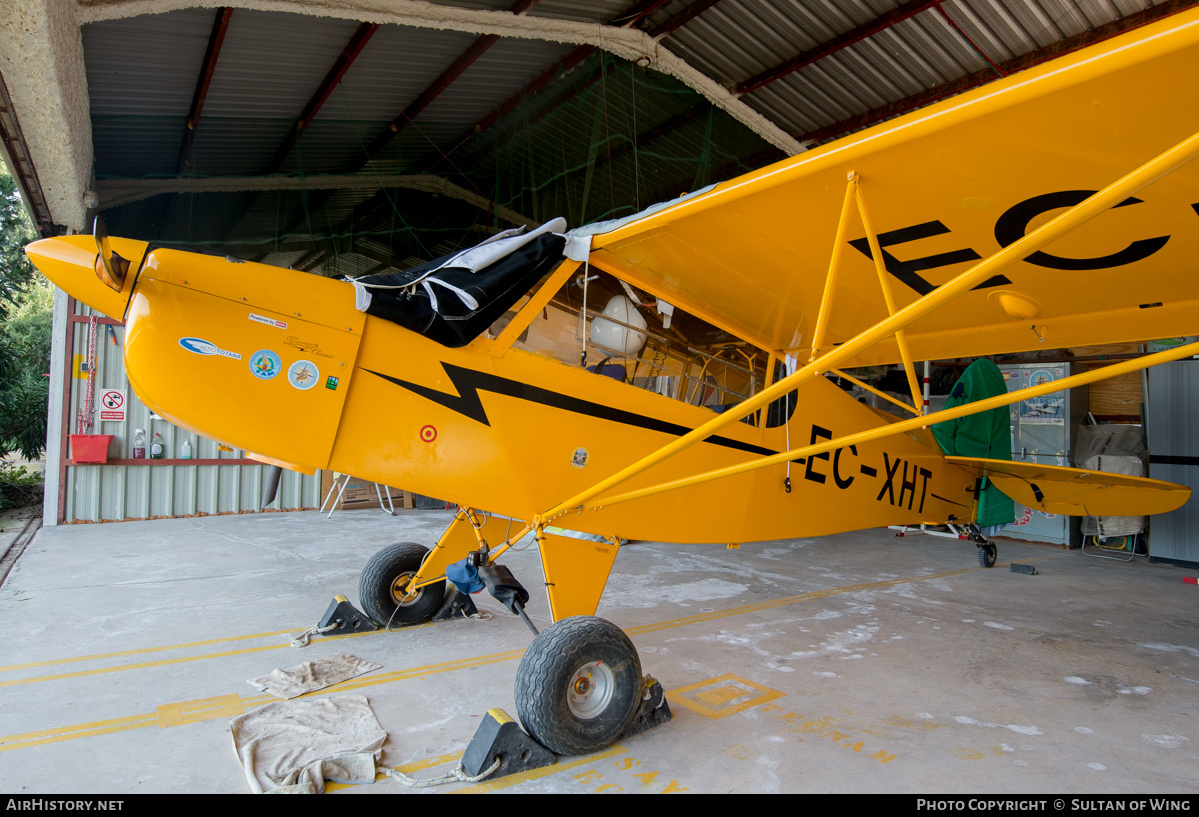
<point x="381" y="587"/>
<point x="579" y="685"/>
<point x="987" y="554"/>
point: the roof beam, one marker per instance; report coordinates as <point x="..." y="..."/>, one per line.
<point x="722" y="173"/>
<point x="637" y="12"/>
<point x="340" y="66"/>
<point x="415" y="13"/>
<point x="363" y="215"/>
<point x="600" y="73"/>
<point x="988" y="74"/>
<point x="631" y="16"/>
<point x="212" y="52"/>
<point x="465" y="60"/>
<point x="682" y="18"/>
<point x="115" y="192"/>
<point x="322" y="246"/>
<point x="15" y="153"/>
<point x="841" y="41"/>
<point x="631" y="44"/>
<point x="563" y="65"/>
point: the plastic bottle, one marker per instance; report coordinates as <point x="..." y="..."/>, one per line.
<point x="186" y="452"/>
<point x="156" y="447"/>
<point x="139" y="444"/>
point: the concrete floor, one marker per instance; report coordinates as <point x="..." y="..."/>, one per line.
<point x="853" y="663"/>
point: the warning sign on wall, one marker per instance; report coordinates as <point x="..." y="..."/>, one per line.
<point x="112" y="405"/>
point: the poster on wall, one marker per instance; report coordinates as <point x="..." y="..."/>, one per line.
<point x="1049" y="409"/>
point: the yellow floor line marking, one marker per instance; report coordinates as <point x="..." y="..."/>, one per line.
<point x="164" y="662"/>
<point x="142" y="665"/>
<point x="407" y="768"/>
<point x="203" y="709"/>
<point x="715" y="694"/>
<point x="536" y="774"/>
<point x="45" y="736"/>
<point x="97" y="656"/>
<point x="152" y="719"/>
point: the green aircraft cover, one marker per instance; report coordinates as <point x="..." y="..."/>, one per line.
<point x="987" y="434"/>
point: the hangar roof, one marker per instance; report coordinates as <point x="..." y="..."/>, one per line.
<point x="352" y="137"/>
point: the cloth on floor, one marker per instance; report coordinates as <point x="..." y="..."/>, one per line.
<point x="312" y="675"/>
<point x="294" y="747"/>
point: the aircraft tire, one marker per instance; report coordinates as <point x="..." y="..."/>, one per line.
<point x="579" y="685"/>
<point x="379" y="578"/>
<point x="987" y="555"/>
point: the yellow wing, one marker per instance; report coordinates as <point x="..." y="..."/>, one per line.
<point x="1076" y="491"/>
<point x="944" y="187"/>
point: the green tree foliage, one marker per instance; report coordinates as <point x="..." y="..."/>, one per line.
<point x="26" y="302"/>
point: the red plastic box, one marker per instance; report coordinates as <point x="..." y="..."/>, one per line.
<point x="90" y="448"/>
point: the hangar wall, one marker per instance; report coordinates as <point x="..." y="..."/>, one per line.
<point x="211" y="481"/>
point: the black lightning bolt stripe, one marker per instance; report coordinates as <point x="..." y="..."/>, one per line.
<point x="950" y="501"/>
<point x="469" y="383"/>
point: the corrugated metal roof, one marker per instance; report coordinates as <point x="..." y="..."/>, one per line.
<point x="585" y="143"/>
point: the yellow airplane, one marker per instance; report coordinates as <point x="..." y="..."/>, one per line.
<point x="713" y="324"/>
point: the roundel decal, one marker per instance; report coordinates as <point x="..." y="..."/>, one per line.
<point x="265" y="364"/>
<point x="428" y="433"/>
<point x="303" y="374"/>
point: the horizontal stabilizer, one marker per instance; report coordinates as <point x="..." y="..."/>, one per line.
<point x="1077" y="491"/>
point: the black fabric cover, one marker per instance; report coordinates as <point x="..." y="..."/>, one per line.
<point x="496" y="288"/>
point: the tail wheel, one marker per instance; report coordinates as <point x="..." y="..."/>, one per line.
<point x="383" y="587"/>
<point x="579" y="685"/>
<point x="987" y="554"/>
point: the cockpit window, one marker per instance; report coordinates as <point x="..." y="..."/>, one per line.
<point x="597" y="322"/>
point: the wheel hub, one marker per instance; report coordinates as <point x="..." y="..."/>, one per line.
<point x="590" y="690"/>
<point x="399" y="590"/>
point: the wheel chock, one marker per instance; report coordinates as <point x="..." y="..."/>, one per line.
<point x="346" y="617"/>
<point x="455" y="605"/>
<point x="654" y="710"/>
<point x="498" y="736"/>
<point x="1029" y="569"/>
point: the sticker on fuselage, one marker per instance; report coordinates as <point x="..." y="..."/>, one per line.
<point x="265" y="364"/>
<point x="579" y="457"/>
<point x="331" y="383"/>
<point x="268" y="321"/>
<point x="203" y="347"/>
<point x="306" y="346"/>
<point x="303" y="374"/>
<point x="428" y="433"/>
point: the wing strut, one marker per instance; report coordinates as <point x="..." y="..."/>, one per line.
<point x="1114" y="193"/>
<point x="853" y="193"/>
<point x="904" y="425"/>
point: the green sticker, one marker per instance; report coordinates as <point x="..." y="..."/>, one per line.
<point x="331" y="383"/>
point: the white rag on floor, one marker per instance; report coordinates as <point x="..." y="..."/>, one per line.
<point x="293" y="747"/>
<point x="312" y="675"/>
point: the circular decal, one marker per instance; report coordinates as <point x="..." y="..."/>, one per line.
<point x="1040" y="377"/>
<point x="428" y="433"/>
<point x="303" y="374"/>
<point x="265" y="364"/>
<point x="578" y="457"/>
